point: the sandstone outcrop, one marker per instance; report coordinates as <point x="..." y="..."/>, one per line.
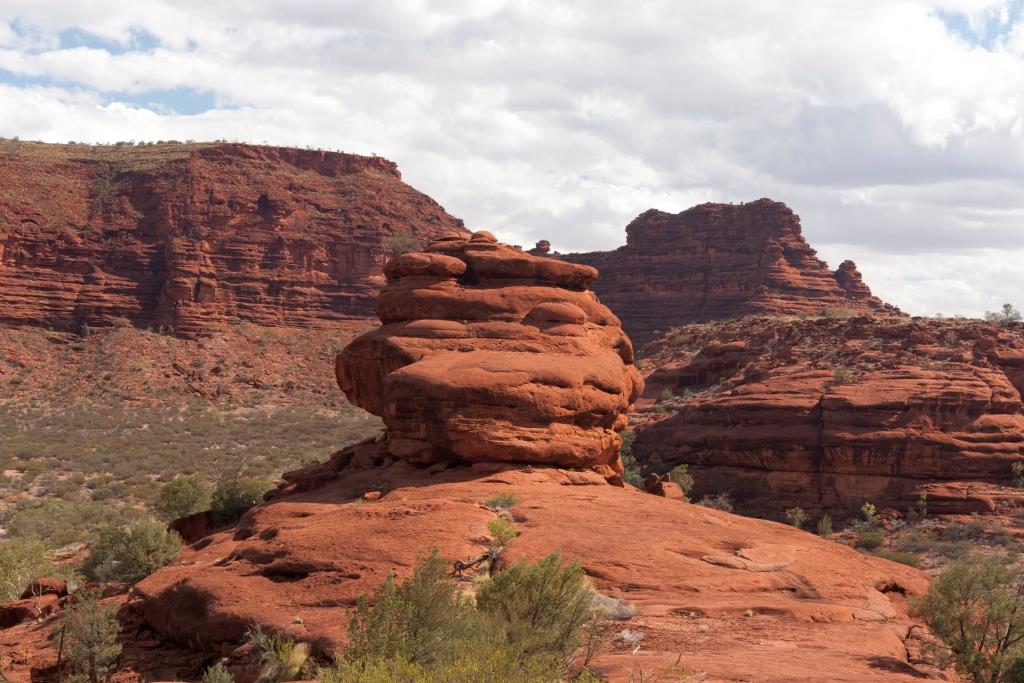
<point x="487" y="353"/>
<point x="714" y="592"/>
<point x="192" y="236"/>
<point x="716" y="261"/>
<point x="824" y="413"/>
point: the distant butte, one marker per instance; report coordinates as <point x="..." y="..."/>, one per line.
<point x="718" y="261"/>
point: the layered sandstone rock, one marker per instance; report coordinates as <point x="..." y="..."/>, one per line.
<point x="714" y="592"/>
<point x="823" y="413"/>
<point x="717" y="261"/>
<point x="192" y="236"/>
<point x="488" y="353"/>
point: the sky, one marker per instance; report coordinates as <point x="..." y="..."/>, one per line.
<point x="894" y="128"/>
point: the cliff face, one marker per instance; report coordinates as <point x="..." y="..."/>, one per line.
<point x="192" y="236"/>
<point x="822" y="413"/>
<point x="717" y="261"/>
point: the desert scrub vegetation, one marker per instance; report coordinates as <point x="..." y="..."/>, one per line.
<point x="502" y="530"/>
<point x="86" y="642"/>
<point x="796" y="517"/>
<point x="502" y="501"/>
<point x="72" y="470"/>
<point x="276" y="658"/>
<point x="401" y="242"/>
<point x="234" y="494"/>
<point x="1005" y="316"/>
<point x="976" y="607"/>
<point x="21" y="561"/>
<point x="182" y="497"/>
<point x="131" y="553"/>
<point x="525" y="625"/>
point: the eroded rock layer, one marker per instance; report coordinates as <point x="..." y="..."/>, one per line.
<point x="192" y="236"/>
<point x="719" y="593"/>
<point x="717" y="261"/>
<point x="824" y="413"/>
<point x="488" y="353"/>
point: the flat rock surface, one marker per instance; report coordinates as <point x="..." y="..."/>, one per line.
<point x="785" y="605"/>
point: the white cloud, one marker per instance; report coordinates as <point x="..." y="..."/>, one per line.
<point x="895" y="136"/>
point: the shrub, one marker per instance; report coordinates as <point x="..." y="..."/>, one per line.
<point x="233" y="496"/>
<point x="523" y="627"/>
<point x="631" y="470"/>
<point x="680" y="474"/>
<point x="278" y="658"/>
<point x="398" y="243"/>
<point x="720" y="501"/>
<point x="869" y="514"/>
<point x="541" y="606"/>
<point x="502" y="501"/>
<point x="976" y="607"/>
<point x="131" y="553"/>
<point x="182" y="497"/>
<point x="475" y="663"/>
<point x="88" y="638"/>
<point x="920" y="509"/>
<point x="218" y="673"/>
<point x="825" y="526"/>
<point x="869" y="538"/>
<point x="1017" y="472"/>
<point x="909" y="559"/>
<point x="796" y="516"/>
<point x="21" y="561"/>
<point x="1005" y="316"/>
<point x="665" y="396"/>
<point x="842" y="375"/>
<point x="502" y="530"/>
<point x="915" y="542"/>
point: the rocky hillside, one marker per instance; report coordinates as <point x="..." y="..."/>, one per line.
<point x="826" y="413"/>
<point x="521" y="361"/>
<point x="189" y="237"/>
<point x="717" y="261"/>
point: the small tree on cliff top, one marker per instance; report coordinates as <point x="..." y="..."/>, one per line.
<point x="1004" y="316"/>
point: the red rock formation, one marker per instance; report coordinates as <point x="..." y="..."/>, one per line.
<point x="490" y="354"/>
<point x="296" y="564"/>
<point x="191" y="236"/>
<point x="822" y="413"/>
<point x="717" y="261"/>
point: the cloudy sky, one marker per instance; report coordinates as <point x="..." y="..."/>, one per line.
<point x="895" y="128"/>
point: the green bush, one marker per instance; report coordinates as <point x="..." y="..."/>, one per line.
<point x="1017" y="472"/>
<point x="218" y="673"/>
<point x="182" y="497"/>
<point x="502" y="530"/>
<point x="502" y="501"/>
<point x="631" y="473"/>
<point x="909" y="559"/>
<point x="680" y="474"/>
<point x="541" y="606"/>
<point x="21" y="561"/>
<point x="233" y="496"/>
<point x="523" y="627"/>
<point x="825" y="526"/>
<point x="417" y="620"/>
<point x="869" y="538"/>
<point x="400" y="242"/>
<point x="796" y="517"/>
<point x="88" y="639"/>
<point x="131" y="553"/>
<point x="976" y="607"/>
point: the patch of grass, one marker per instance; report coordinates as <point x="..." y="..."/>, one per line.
<point x="502" y="501"/>
<point x="909" y="559"/>
<point x="502" y="530"/>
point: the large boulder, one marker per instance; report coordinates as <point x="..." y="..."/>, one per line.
<point x="488" y="353"/>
